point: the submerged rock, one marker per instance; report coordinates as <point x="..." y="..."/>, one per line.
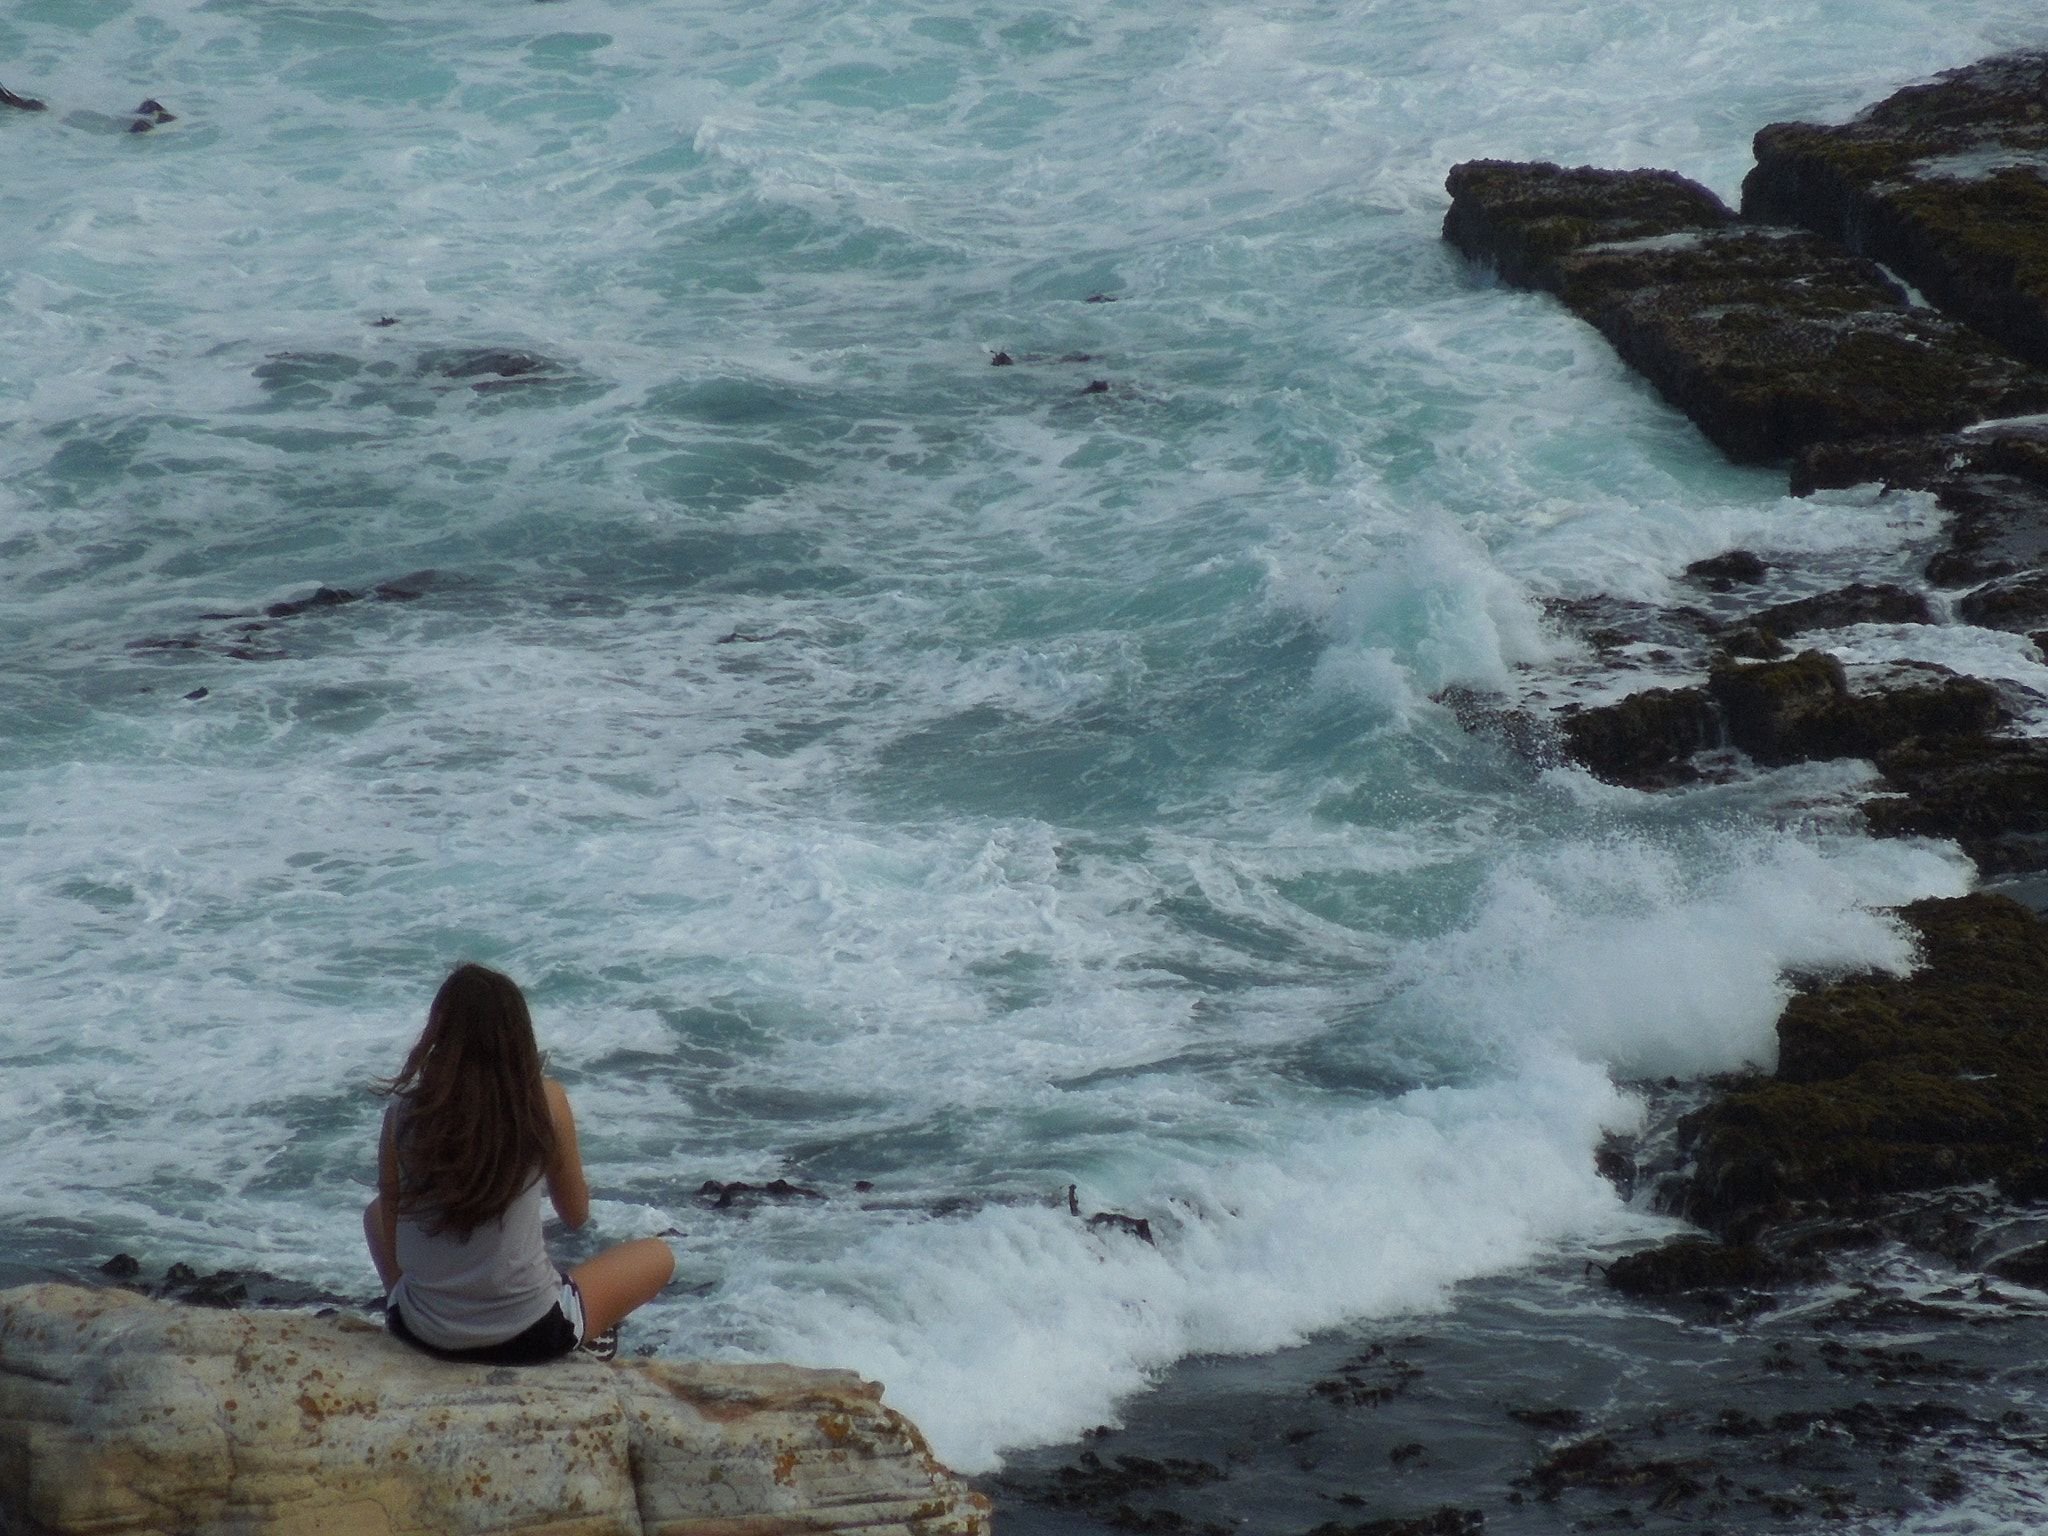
<point x="1769" y="339"/>
<point x="1444" y="1520"/>
<point x="121" y="1414"/>
<point x="1946" y="182"/>
<point x="1692" y="1265"/>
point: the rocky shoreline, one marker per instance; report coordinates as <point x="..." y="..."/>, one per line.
<point x="1876" y="315"/>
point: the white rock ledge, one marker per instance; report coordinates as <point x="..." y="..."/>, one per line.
<point x="122" y="1415"/>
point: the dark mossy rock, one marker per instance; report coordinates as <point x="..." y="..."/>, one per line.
<point x="2026" y="1181"/>
<point x="1771" y="706"/>
<point x="1519" y="216"/>
<point x="1768" y="339"/>
<point x="1889" y="1084"/>
<point x="1802" y="709"/>
<point x="1796" y="710"/>
<point x="1692" y="1265"/>
<point x="1857" y="603"/>
<point x="1772" y="340"/>
<point x="1723" y="573"/>
<point x="1644" y="741"/>
<point x="1990" y="794"/>
<point x="1944" y="182"/>
<point x="1994" y="479"/>
<point x="2017" y="603"/>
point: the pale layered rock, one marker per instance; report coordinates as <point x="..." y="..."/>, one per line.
<point x="123" y="1415"/>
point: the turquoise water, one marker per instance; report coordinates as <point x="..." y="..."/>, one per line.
<point x="878" y="765"/>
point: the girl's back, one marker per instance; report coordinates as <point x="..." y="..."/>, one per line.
<point x="466" y="1293"/>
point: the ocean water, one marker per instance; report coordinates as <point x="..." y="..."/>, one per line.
<point x="879" y="766"/>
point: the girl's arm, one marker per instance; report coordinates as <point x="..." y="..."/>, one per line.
<point x="567" y="1190"/>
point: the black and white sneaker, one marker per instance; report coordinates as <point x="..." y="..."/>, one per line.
<point x="604" y="1346"/>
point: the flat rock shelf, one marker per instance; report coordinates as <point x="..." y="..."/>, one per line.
<point x="120" y="1414"/>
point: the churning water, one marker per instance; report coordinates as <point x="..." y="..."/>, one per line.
<point x="879" y="765"/>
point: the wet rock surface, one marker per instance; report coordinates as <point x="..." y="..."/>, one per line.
<point x="1770" y="339"/>
<point x="1858" y="603"/>
<point x="1521" y="217"/>
<point x="1530" y="1410"/>
<point x="1992" y="480"/>
<point x="1989" y="795"/>
<point x="1945" y="182"/>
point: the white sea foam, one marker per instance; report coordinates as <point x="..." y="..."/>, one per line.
<point x="1375" y="1216"/>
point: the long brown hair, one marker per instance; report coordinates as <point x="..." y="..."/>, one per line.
<point x="476" y="1130"/>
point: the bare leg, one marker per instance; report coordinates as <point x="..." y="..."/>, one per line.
<point x="620" y="1279"/>
<point x="381" y="1253"/>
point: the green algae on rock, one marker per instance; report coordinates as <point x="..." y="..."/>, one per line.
<point x="1946" y="182"/>
<point x="1990" y="795"/>
<point x="1521" y="216"/>
<point x="1800" y="709"/>
<point x="1646" y="739"/>
<point x="1888" y="1084"/>
<point x="1768" y="339"/>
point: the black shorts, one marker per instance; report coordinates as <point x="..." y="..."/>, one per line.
<point x="549" y="1339"/>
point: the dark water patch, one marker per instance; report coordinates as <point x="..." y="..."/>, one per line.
<point x="788" y="1106"/>
<point x="1538" y="1404"/>
<point x="292" y="379"/>
<point x="296" y="381"/>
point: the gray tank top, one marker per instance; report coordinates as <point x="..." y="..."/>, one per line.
<point x="465" y="1294"/>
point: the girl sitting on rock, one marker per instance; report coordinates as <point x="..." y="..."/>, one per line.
<point x="473" y="1135"/>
